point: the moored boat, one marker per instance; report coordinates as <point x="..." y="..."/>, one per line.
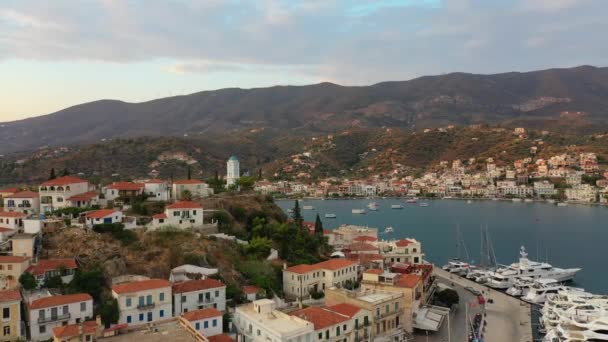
<point x="330" y="215"/>
<point x="358" y="211"/>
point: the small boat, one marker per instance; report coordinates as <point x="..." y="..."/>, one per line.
<point x="396" y="206"/>
<point x="494" y="198"/>
<point x="389" y="230"/>
<point x="330" y="215"/>
<point x="424" y="204"/>
<point x="411" y="200"/>
<point x="373" y="206"/>
<point x="469" y="201"/>
<point x="308" y="207"/>
<point x="528" y="200"/>
<point x="562" y="204"/>
<point x="358" y="211"/>
<point x="516" y="199"/>
<point x="290" y="211"/>
<point x="552" y="201"/>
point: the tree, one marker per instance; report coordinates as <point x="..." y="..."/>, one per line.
<point x="27" y="281"/>
<point x="245" y="183"/>
<point x="186" y="195"/>
<point x="108" y="310"/>
<point x="448" y="297"/>
<point x="52" y="176"/>
<point x="88" y="282"/>
<point x="189" y="172"/>
<point x="65" y="172"/>
<point x="318" y="225"/>
<point x="259" y="247"/>
<point x="297" y="215"/>
<point x="53" y="282"/>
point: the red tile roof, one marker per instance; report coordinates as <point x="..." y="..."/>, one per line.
<point x="408" y="280"/>
<point x="320" y="317"/>
<point x="251" y="289"/>
<point x="9" y="190"/>
<point x="374" y="271"/>
<point x="160" y="216"/>
<point x="11" y="214"/>
<point x="185" y="205"/>
<point x="63" y="181"/>
<point x="141" y="285"/>
<point x="345" y="309"/>
<point x="365" y="239"/>
<point x="331" y="264"/>
<point x="45" y="265"/>
<point x="4" y="230"/>
<point x="126" y="186"/>
<point x="403" y="243"/>
<point x="86" y="196"/>
<point x="362" y="246"/>
<point x="196" y="285"/>
<point x="188" y="181"/>
<point x="71" y="330"/>
<point x="101" y="213"/>
<point x="197" y="315"/>
<point x="9" y="296"/>
<point x="220" y="338"/>
<point x="59" y="300"/>
<point x="5" y="259"/>
<point x="23" y="194"/>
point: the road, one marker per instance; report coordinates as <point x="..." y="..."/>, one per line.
<point x="508" y="318"/>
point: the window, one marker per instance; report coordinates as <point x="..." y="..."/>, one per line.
<point x="326" y="334"/>
<point x="42" y="329"/>
<point x="344" y="327"/>
<point x="10" y="267"/>
<point x="161" y="297"/>
<point x="128" y="302"/>
<point x="337" y="331"/>
<point x="387" y="308"/>
<point x="193" y="212"/>
<point x="141" y="300"/>
<point x="176" y="213"/>
<point x="83" y="306"/>
<point x="41" y="313"/>
<point x="7" y="331"/>
<point x="214" y="323"/>
<point x="88" y="338"/>
<point x="65" y="310"/>
<point x="162" y="313"/>
<point x="320" y="335"/>
<point x="59" y="199"/>
<point x="149" y="299"/>
<point x="396" y="306"/>
<point x="183" y="299"/>
<point x="161" y="220"/>
<point x="128" y="319"/>
<point x="206" y="324"/>
<point x="197" y="326"/>
<point x="217" y="293"/>
<point x="6" y="313"/>
<point x="259" y="332"/>
<point x="141" y="317"/>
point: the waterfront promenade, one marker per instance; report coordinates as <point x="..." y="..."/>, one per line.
<point x="508" y="318"/>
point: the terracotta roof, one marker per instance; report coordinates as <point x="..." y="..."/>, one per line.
<point x="101" y="213"/>
<point x="362" y="246"/>
<point x="126" y="186"/>
<point x="251" y="289"/>
<point x="116" y="327"/>
<point x="141" y="285"/>
<point x="220" y="338"/>
<point x="320" y="317"/>
<point x="71" y="330"/>
<point x="47" y="302"/>
<point x="331" y="264"/>
<point x="11" y="214"/>
<point x="185" y="205"/>
<point x="402" y="243"/>
<point x="86" y="196"/>
<point x="9" y="296"/>
<point x="64" y="181"/>
<point x="4" y="230"/>
<point x="196" y="285"/>
<point x="365" y="239"/>
<point x="23" y="194"/>
<point x="408" y="280"/>
<point x="160" y="216"/>
<point x="188" y="181"/>
<point x="9" y="190"/>
<point x="45" y="265"/>
<point x="374" y="271"/>
<point x="197" y="315"/>
<point x="5" y="259"/>
<point x="345" y="309"/>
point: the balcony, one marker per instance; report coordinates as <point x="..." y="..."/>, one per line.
<point x="146" y="306"/>
<point x="25" y="205"/>
<point x="42" y="320"/>
<point x="205" y="300"/>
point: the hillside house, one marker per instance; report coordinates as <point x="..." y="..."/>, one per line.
<point x="144" y="301"/>
<point x="103" y="216"/>
<point x="197" y="188"/>
<point x="184" y="214"/>
<point x="208" y="322"/>
<point x="45" y="312"/>
<point x="84" y="200"/>
<point x="157" y="190"/>
<point x="11" y="268"/>
<point x="10" y="304"/>
<point x="46" y="268"/>
<point x="123" y="190"/>
<point x="27" y="202"/>
<point x="54" y="194"/>
<point x="198" y="294"/>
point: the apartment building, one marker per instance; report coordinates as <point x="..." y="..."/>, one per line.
<point x="48" y="312"/>
<point x="198" y="294"/>
<point x="144" y="301"/>
<point x="300" y="280"/>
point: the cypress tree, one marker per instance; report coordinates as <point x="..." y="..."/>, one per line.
<point x="297" y="215"/>
<point x="52" y="176"/>
<point x="318" y="225"/>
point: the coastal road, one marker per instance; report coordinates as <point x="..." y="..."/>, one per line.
<point x="508" y="318"/>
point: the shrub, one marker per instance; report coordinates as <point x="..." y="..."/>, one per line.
<point x="118" y="232"/>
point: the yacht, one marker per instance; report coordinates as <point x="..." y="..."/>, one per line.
<point x="568" y="305"/>
<point x="469" y="201"/>
<point x="515" y="199"/>
<point x="537" y="293"/>
<point x="330" y="216"/>
<point x="411" y="200"/>
<point x="308" y="207"/>
<point x="520" y="287"/>
<point x="373" y="206"/>
<point x="389" y="230"/>
<point x="575" y="331"/>
<point x="528" y="200"/>
<point x="562" y="204"/>
<point x="424" y="204"/>
<point x="358" y="211"/>
<point x="457" y="267"/>
<point x="505" y="277"/>
<point x="396" y="206"/>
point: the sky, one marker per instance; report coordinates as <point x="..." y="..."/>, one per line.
<point x="55" y="54"/>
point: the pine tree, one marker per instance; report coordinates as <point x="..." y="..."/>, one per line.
<point x="318" y="225"/>
<point x="52" y="176"/>
<point x="297" y="215"/>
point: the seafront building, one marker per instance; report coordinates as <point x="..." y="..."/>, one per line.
<point x="302" y="280"/>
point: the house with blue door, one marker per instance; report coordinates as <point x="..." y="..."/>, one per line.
<point x="144" y="301"/>
<point x="103" y="216"/>
<point x="208" y="322"/>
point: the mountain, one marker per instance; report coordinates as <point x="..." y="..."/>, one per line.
<point x="571" y="100"/>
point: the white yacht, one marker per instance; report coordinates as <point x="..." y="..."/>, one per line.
<point x="389" y="230"/>
<point x="537" y="293"/>
<point x="505" y="277"/>
<point x="373" y="206"/>
<point x="396" y="206"/>
<point x="358" y="211"/>
<point x="457" y="267"/>
<point x="562" y="204"/>
<point x="424" y="204"/>
<point x="575" y="331"/>
<point x="308" y="207"/>
<point x="520" y="286"/>
<point x="330" y="216"/>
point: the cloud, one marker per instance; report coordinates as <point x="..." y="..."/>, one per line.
<point x="346" y="41"/>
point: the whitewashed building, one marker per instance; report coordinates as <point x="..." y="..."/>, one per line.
<point x="208" y="322"/>
<point x="54" y="194"/>
<point x="157" y="190"/>
<point x="197" y="188"/>
<point x="48" y="312"/>
<point x="300" y="280"/>
<point x="184" y="214"/>
<point x="102" y="216"/>
<point x="198" y="294"/>
<point x="233" y="171"/>
<point x="27" y="202"/>
<point x="144" y="301"/>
